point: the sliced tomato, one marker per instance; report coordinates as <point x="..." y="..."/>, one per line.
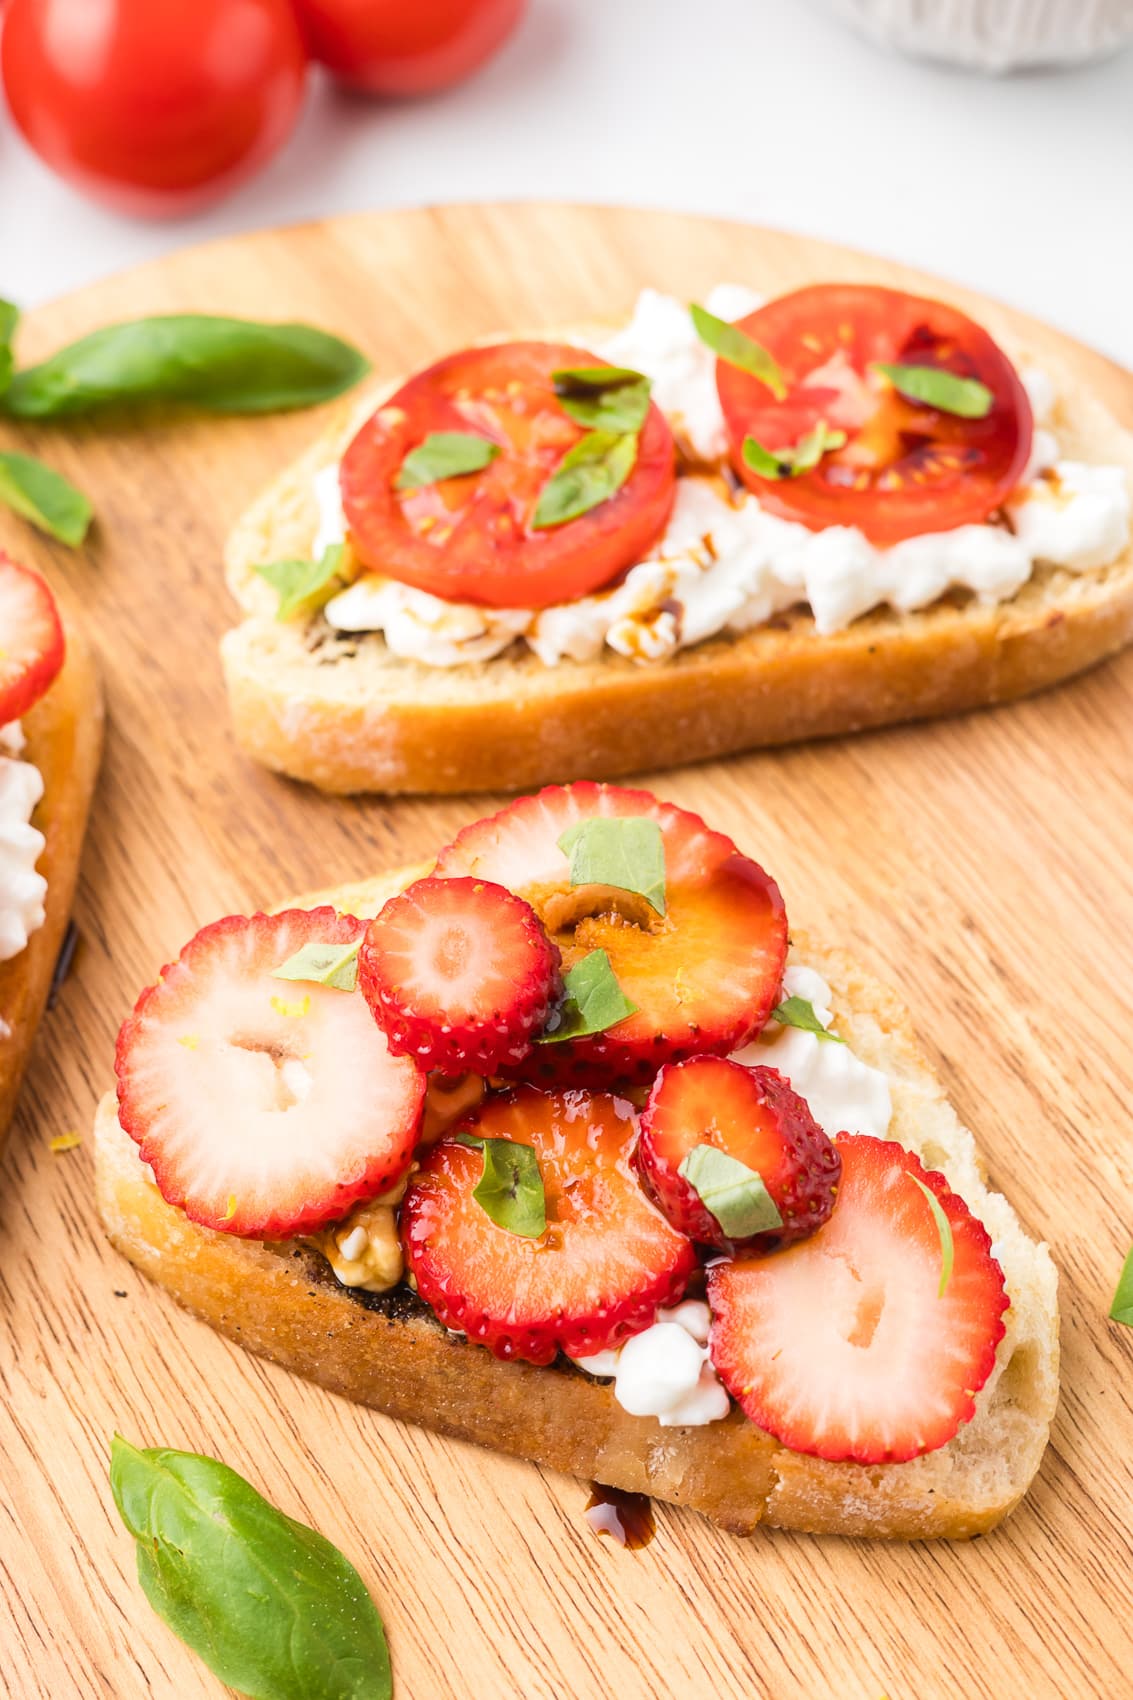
<point x="905" y="468"/>
<point x="470" y="539"/>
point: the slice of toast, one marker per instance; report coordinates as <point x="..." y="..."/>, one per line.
<point x="390" y="1352"/>
<point x="64" y="740"/>
<point x="347" y="715"/>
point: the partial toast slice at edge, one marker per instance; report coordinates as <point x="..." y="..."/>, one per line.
<point x="392" y="1354"/>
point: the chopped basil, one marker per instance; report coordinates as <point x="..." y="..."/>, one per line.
<point x="594" y="1001"/>
<point x="938" y="388"/>
<point x="324" y="965"/>
<point x="9" y="319"/>
<point x="445" y="454"/>
<point x="792" y="462"/>
<point x="305" y="586"/>
<point x="603" y="398"/>
<point x="589" y="473"/>
<point x="944" y="1229"/>
<point x="510" y="1188"/>
<point x="626" y="851"/>
<point x="732" y="1192"/>
<point x="735" y="348"/>
<point x="799" y="1012"/>
<point x="273" y="1609"/>
<point x="1121" y="1310"/>
<point x="45" y="498"/>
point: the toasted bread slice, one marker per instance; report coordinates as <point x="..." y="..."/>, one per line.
<point x="347" y="715"/>
<point x="390" y="1352"/>
<point x="64" y="740"/>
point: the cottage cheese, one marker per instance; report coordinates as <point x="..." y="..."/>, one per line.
<point x="665" y="1371"/>
<point x="23" y="892"/>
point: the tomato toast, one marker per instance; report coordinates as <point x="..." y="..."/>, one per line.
<point x="712" y="1232"/>
<point x="694" y="535"/>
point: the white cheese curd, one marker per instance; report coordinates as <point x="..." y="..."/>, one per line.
<point x="23" y="892"/>
<point x="425" y="628"/>
<point x="332" y="519"/>
<point x="665" y="1371"/>
<point x="1074" y="516"/>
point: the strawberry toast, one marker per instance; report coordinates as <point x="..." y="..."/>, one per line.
<point x="50" y="744"/>
<point x="562" y="1146"/>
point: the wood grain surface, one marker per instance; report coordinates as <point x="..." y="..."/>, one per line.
<point x="980" y="865"/>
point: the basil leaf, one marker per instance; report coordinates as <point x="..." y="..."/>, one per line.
<point x="589" y="473"/>
<point x="445" y="454"/>
<point x="324" y="965"/>
<point x="222" y="365"/>
<point x="938" y="388"/>
<point x="944" y="1229"/>
<point x="44" y="497"/>
<point x="594" y="1001"/>
<point x="273" y="1609"/>
<point x="799" y="1012"/>
<point x="9" y="319"/>
<point x="626" y="851"/>
<point x="604" y="398"/>
<point x="732" y="1192"/>
<point x="792" y="462"/>
<point x="305" y="586"/>
<point x="510" y="1188"/>
<point x="732" y="345"/>
<point x="1121" y="1310"/>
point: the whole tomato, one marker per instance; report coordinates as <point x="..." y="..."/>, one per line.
<point x="153" y="106"/>
<point x="406" y="46"/>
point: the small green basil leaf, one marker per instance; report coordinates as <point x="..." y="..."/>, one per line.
<point x="732" y="1192"/>
<point x="735" y="348"/>
<point x="45" y="498"/>
<point x="1121" y="1310"/>
<point x="9" y="319"/>
<point x="305" y="586"/>
<point x="791" y="463"/>
<point x="626" y="851"/>
<point x="799" y="1012"/>
<point x="273" y="1609"/>
<point x="324" y="965"/>
<point x="603" y="398"/>
<point x="221" y="365"/>
<point x="445" y="454"/>
<point x="510" y="1188"/>
<point x="938" y="388"/>
<point x="589" y="473"/>
<point x="594" y="1001"/>
<point x="944" y="1229"/>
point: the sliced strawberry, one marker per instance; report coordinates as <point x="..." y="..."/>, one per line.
<point x="459" y="974"/>
<point x="597" y="1274"/>
<point x="840" y="1346"/>
<point x="754" y="1116"/>
<point x="266" y="1107"/>
<point x="704" y="977"/>
<point x="31" y="639"/>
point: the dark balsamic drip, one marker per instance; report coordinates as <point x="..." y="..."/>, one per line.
<point x="64" y="962"/>
<point x="626" y="1517"/>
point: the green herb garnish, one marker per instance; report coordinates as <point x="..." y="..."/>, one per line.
<point x="1121" y="1310"/>
<point x="944" y="1229"/>
<point x="625" y="851"/>
<point x="588" y="474"/>
<point x="445" y="454"/>
<point x="594" y="1001"/>
<point x="510" y="1188"/>
<point x="792" y="462"/>
<point x="9" y="319"/>
<point x="44" y="497"/>
<point x="733" y="1193"/>
<point x="603" y="398"/>
<point x="732" y="345"/>
<point x="799" y="1012"/>
<point x="273" y="1609"/>
<point x="938" y="388"/>
<point x="305" y="586"/>
<point x="323" y="965"/>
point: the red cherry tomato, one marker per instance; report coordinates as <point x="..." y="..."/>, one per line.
<point x="150" y="106"/>
<point x="906" y="468"/>
<point x="406" y="46"/>
<point x="469" y="539"/>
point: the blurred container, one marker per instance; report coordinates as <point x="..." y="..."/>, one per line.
<point x="994" y="35"/>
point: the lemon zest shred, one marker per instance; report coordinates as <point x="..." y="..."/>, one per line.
<point x="64" y="1142"/>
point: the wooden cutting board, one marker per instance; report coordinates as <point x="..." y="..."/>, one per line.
<point x="981" y="865"/>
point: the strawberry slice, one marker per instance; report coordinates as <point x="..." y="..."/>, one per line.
<point x="704" y="976"/>
<point x="753" y="1115"/>
<point x="841" y="1346"/>
<point x="597" y="1274"/>
<point x="31" y="639"/>
<point x="266" y="1107"/>
<point x="460" y="974"/>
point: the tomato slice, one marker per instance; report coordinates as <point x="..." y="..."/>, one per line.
<point x="905" y="468"/>
<point x="470" y="539"/>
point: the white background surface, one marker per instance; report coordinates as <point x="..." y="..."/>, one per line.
<point x="760" y="109"/>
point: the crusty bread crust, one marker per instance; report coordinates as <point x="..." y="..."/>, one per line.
<point x="349" y="716"/>
<point x="64" y="740"/>
<point x="391" y="1352"/>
